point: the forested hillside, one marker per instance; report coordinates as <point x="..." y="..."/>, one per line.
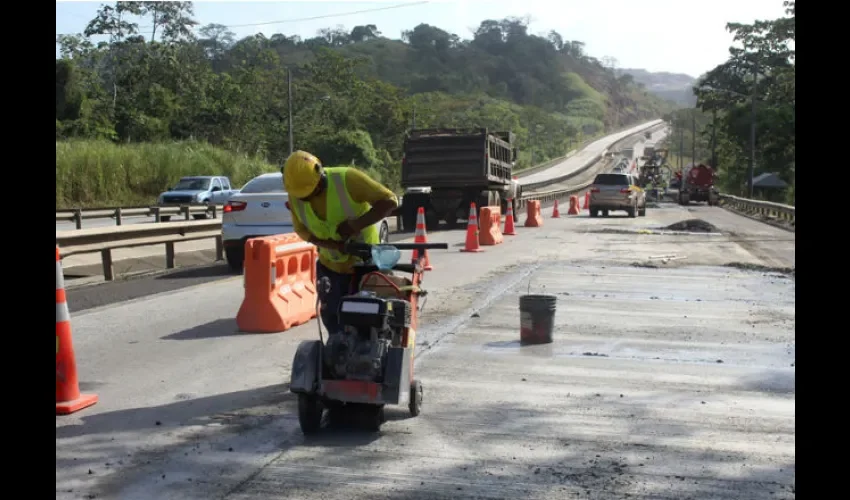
<point x="676" y="87"/>
<point x="354" y="93"/>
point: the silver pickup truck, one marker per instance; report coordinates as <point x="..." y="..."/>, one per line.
<point x="197" y="190"/>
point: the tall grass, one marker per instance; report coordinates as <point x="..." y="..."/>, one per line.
<point x="101" y="173"/>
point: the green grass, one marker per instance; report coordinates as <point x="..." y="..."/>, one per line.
<point x="93" y="174"/>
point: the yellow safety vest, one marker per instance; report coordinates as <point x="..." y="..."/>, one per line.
<point x="340" y="207"/>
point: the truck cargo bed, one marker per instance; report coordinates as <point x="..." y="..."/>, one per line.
<point x="454" y="158"/>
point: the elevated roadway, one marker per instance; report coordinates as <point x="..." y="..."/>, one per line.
<point x="671" y="376"/>
<point x="581" y="158"/>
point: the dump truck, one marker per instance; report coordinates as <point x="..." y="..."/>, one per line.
<point x="446" y="169"/>
<point x="697" y="184"/>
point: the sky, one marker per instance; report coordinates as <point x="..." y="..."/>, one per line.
<point x="677" y="36"/>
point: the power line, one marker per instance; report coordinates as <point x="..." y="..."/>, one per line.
<point x="313" y="18"/>
<point x="326" y="16"/>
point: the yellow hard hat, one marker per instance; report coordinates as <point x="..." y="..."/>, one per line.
<point x="301" y="174"/>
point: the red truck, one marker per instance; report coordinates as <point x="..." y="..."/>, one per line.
<point x="697" y="184"/>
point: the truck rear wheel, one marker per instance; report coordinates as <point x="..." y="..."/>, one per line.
<point x="408" y="220"/>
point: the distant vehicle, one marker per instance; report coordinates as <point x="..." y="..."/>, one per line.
<point x="261" y="208"/>
<point x="616" y="191"/>
<point x="197" y="190"/>
<point x="697" y="184"/>
<point x="628" y="153"/>
<point x="444" y="170"/>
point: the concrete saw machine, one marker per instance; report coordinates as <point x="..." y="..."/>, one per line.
<point x="369" y="362"/>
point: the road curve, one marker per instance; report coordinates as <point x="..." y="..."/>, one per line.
<point x="581" y="158"/>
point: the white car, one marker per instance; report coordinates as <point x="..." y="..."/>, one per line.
<point x="260" y="209"/>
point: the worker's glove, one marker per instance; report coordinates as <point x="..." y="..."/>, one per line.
<point x="346" y="229"/>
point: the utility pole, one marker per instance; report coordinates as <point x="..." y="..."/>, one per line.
<point x="289" y="105"/>
<point x="681" y="142"/>
<point x="714" y="138"/>
<point x="753" y="131"/>
<point x="694" y="138"/>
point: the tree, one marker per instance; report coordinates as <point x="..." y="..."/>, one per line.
<point x="760" y="68"/>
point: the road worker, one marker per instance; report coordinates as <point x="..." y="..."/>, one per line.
<point x="330" y="206"/>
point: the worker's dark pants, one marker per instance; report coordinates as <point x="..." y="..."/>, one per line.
<point x="341" y="285"/>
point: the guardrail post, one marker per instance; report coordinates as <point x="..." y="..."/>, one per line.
<point x="156" y="216"/>
<point x="219" y="248"/>
<point x="78" y="218"/>
<point x="185" y="211"/>
<point x="108" y="269"/>
<point x="118" y="216"/>
<point x="169" y="255"/>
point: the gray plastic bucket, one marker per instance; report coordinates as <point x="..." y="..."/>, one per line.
<point x="537" y="318"/>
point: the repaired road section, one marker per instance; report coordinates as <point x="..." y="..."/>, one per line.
<point x="701" y="353"/>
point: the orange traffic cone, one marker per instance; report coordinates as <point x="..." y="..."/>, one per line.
<point x="509" y="220"/>
<point x="555" y="212"/>
<point x="420" y="237"/>
<point x="587" y="200"/>
<point x="68" y="397"/>
<point x="472" y="244"/>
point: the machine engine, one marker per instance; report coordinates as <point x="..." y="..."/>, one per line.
<point x="371" y="326"/>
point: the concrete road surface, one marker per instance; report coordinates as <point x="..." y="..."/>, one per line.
<point x="581" y="158"/>
<point x="671" y="376"/>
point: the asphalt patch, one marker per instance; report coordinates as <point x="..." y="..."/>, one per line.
<point x="791" y="271"/>
<point x="648" y="265"/>
<point x="693" y="226"/>
<point x="111" y="292"/>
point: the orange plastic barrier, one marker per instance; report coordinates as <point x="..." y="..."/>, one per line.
<point x="555" y="212"/>
<point x="573" y="205"/>
<point x="533" y="217"/>
<point x="587" y="200"/>
<point x="491" y="222"/>
<point x="68" y="397"/>
<point x="280" y="284"/>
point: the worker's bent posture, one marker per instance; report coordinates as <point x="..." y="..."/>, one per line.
<point x="330" y="206"/>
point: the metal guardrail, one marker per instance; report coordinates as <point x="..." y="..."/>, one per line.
<point x="78" y="215"/>
<point x="107" y="239"/>
<point x="778" y="211"/>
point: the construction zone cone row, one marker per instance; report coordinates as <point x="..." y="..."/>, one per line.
<point x="421" y="237"/>
<point x="510" y="230"/>
<point x="472" y="243"/>
<point x="280" y="284"/>
<point x="68" y="397"/>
